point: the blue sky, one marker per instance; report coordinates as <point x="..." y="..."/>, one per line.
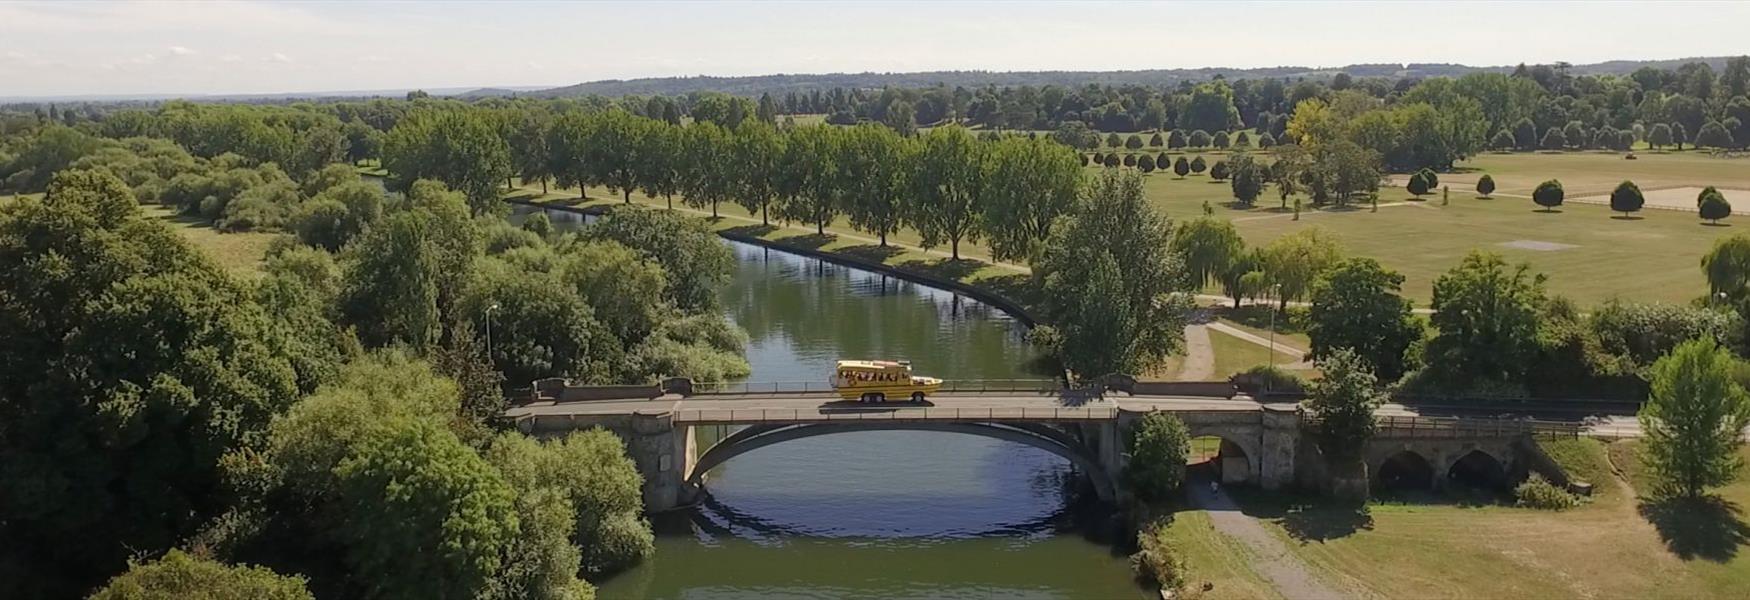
<point x="261" y="47"/>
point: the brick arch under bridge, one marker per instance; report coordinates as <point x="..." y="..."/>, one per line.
<point x="1442" y="454"/>
<point x="1044" y="437"/>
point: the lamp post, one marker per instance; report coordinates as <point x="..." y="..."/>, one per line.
<point x="489" y="311"/>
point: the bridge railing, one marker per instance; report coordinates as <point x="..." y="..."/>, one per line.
<point x="920" y="413"/>
<point x="814" y="387"/>
<point x="1448" y="427"/>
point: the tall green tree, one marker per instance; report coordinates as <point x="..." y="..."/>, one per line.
<point x="1343" y="401"/>
<point x="1248" y="176"/>
<point x="1486" y="318"/>
<point x="706" y="178"/>
<point x="1294" y="262"/>
<point x="1694" y="422"/>
<point x="458" y="147"/>
<point x="1357" y="306"/>
<point x="757" y="156"/>
<point x="1159" y="447"/>
<point x="129" y="363"/>
<point x="949" y="188"/>
<point x="1112" y="284"/>
<point x="881" y="164"/>
<point x="616" y="143"/>
<point x="1030" y="184"/>
<point x="1548" y="195"/>
<point x="1727" y="266"/>
<point x="1626" y="198"/>
<point x="813" y="179"/>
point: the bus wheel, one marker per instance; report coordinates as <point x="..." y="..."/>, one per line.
<point x="878" y="397"/>
<point x="863" y="397"/>
<point x="917" y="396"/>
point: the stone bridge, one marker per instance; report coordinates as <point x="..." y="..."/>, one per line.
<point x="1263" y="444"/>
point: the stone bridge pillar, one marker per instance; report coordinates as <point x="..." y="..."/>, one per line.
<point x="1280" y="436"/>
<point x="663" y="453"/>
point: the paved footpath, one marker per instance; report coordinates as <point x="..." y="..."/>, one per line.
<point x="1271" y="558"/>
<point x="1199" y="355"/>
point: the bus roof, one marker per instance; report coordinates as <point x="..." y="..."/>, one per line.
<point x="870" y="364"/>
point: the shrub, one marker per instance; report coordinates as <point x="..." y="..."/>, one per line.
<point x="1158" y="448"/>
<point x="1197" y="165"/>
<point x="1130" y="160"/>
<point x="1548" y="194"/>
<point x="1133" y="142"/>
<point x="1485" y="185"/>
<point x="1219" y="171"/>
<point x="1268" y="379"/>
<point x="1157" y="560"/>
<point x="1539" y="493"/>
<point x="1200" y="139"/>
<point x="1714" y="206"/>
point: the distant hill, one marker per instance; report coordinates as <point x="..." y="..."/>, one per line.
<point x="781" y="83"/>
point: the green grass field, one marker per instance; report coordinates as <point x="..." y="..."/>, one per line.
<point x="239" y="253"/>
<point x="1612" y="547"/>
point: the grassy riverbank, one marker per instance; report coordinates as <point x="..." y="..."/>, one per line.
<point x="1618" y="545"/>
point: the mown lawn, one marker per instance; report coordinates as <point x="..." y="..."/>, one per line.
<point x="1616" y="546"/>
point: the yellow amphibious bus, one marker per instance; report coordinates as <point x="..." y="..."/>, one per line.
<point x="878" y="380"/>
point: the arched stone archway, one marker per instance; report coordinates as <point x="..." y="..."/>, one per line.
<point x="1478" y="469"/>
<point x="1230" y="463"/>
<point x="1057" y="443"/>
<point x="1404" y="470"/>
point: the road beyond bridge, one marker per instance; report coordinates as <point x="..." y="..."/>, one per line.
<point x="1262" y="443"/>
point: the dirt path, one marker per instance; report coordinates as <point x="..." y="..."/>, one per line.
<point x="1271" y="558"/>
<point x="1199" y="362"/>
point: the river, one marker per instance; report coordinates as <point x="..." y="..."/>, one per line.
<point x="878" y="514"/>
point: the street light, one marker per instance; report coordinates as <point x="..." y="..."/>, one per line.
<point x="489" y="311"/>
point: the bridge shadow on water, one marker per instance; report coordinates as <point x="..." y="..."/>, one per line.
<point x="1082" y="514"/>
<point x="1709" y="528"/>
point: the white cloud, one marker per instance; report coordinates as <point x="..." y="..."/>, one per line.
<point x="277" y="57"/>
<point x="181" y="51"/>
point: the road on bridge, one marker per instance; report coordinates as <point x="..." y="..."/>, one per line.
<point x="828" y="406"/>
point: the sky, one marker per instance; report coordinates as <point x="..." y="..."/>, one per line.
<point x="162" y="47"/>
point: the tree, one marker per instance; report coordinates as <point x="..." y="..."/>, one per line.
<point x="1111" y="161"/>
<point x="880" y="162"/>
<point x="1714" y="207"/>
<point x="696" y="262"/>
<point x="1242" y="140"/>
<point x="129" y="363"/>
<point x="1219" y="171"/>
<point x="1029" y="185"/>
<point x="1486" y="318"/>
<point x="1679" y="135"/>
<point x="1429" y="176"/>
<point x="1158" y="449"/>
<point x="591" y="472"/>
<point x="338" y="215"/>
<point x="1727" y="266"/>
<point x="1343" y="402"/>
<point x="949" y="183"/>
<point x="1357" y="305"/>
<point x="1694" y="420"/>
<point x="1145" y="163"/>
<point x="1714" y="135"/>
<point x="179" y="575"/>
<point x="1113" y="141"/>
<point x="1181" y="167"/>
<point x="1525" y="134"/>
<point x="1548" y="195"/>
<point x="1554" y="139"/>
<point x="1176" y="138"/>
<point x="1294" y="262"/>
<point x="1163" y="162"/>
<point x="1134" y="142"/>
<point x="1076" y="134"/>
<point x="1112" y="318"/>
<point x="1418" y="184"/>
<point x="1130" y="160"/>
<point x="1208" y="246"/>
<point x="1266" y="141"/>
<point x="705" y="179"/>
<point x="810" y="181"/>
<point x="1220" y="140"/>
<point x="1502" y="141"/>
<point x="460" y="148"/>
<point x="1155" y="141"/>
<point x="1197" y="165"/>
<point x="723" y="110"/>
<point x="757" y="153"/>
<point x="1485" y="185"/>
<point x="1626" y="198"/>
<point x="1659" y="136"/>
<point x="1200" y="139"/>
<point x="1574" y="134"/>
<point x="1248" y="178"/>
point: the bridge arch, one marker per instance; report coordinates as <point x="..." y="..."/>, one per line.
<point x="1044" y="438"/>
<point x="1478" y="469"/>
<point x="1405" y="470"/>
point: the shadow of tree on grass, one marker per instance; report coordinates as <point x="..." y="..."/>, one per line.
<point x="872" y="252"/>
<point x="812" y="241"/>
<point x="751" y="230"/>
<point x="946" y="268"/>
<point x="1709" y="528"/>
<point x="1305" y="518"/>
